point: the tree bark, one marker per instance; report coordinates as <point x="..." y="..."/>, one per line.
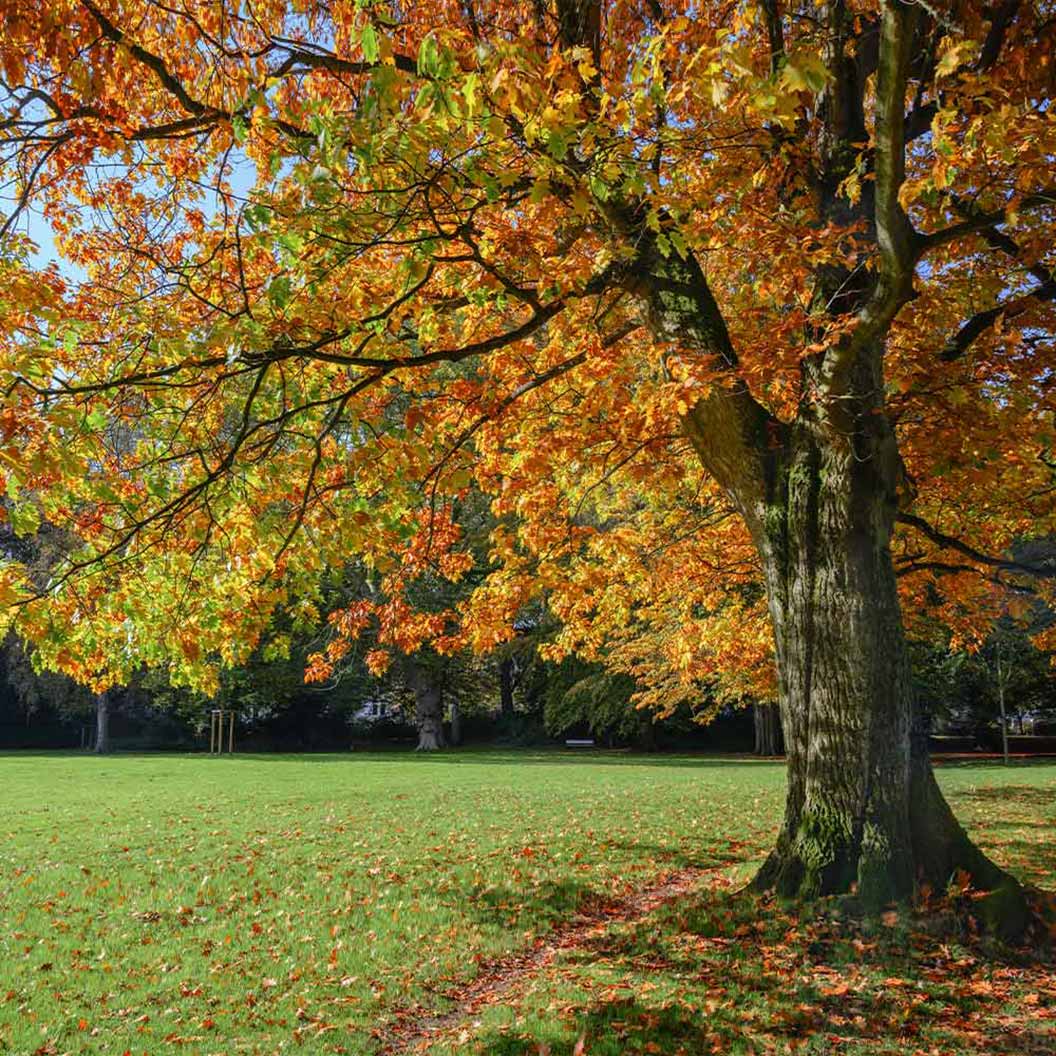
<point x="102" y="724"/>
<point x="768" y="740"/>
<point x="428" y="706"/>
<point x="456" y="724"/>
<point x="864" y="813"/>
<point x="842" y="666"/>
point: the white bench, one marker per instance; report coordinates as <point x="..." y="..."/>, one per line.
<point x="579" y="743"/>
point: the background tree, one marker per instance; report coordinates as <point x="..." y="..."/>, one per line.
<point x="696" y="292"/>
<point x="766" y="719"/>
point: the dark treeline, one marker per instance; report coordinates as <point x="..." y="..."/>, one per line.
<point x="512" y="698"/>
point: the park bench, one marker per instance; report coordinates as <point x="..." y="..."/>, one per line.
<point x="579" y="742"/>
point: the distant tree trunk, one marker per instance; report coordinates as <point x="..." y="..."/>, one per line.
<point x="1001" y="704"/>
<point x="428" y="706"/>
<point x="506" y="687"/>
<point x="768" y="739"/>
<point x="102" y="723"/>
<point x="647" y="733"/>
<point x="456" y="724"/>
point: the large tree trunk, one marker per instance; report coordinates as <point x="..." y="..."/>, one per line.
<point x="820" y="495"/>
<point x="428" y="706"/>
<point x="767" y="719"/>
<point x="863" y="813"/>
<point x="843" y="671"/>
<point x="102" y="723"/>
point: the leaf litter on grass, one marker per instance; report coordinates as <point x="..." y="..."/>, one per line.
<point x="301" y="904"/>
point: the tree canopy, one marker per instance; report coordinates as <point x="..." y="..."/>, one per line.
<point x="337" y="260"/>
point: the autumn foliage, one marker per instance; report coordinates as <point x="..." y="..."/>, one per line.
<point x="732" y="312"/>
<point x="328" y="269"/>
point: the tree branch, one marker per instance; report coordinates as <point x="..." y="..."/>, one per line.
<point x="979" y="323"/>
<point x="897" y="241"/>
<point x="170" y="82"/>
<point x="949" y="542"/>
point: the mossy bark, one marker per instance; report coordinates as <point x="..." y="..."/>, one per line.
<point x="864" y="812"/>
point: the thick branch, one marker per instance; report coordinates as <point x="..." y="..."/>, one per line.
<point x="894" y="232"/>
<point x="1003" y="16"/>
<point x="165" y="76"/>
<point x="979" y="222"/>
<point x="919" y="119"/>
<point x="895" y="236"/>
<point x="300" y="56"/>
<point x="979" y="323"/>
<point x="774" y="34"/>
<point x="728" y="428"/>
<point x="949" y="542"/>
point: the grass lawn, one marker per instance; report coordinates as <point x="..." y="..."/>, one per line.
<point x="258" y="904"/>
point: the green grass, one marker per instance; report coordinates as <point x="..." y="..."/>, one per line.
<point x="157" y="904"/>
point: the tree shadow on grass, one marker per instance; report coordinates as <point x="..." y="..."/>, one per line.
<point x="720" y="854"/>
<point x="1022" y="795"/>
<point x="731" y="973"/>
<point x="554" y="902"/>
<point x="609" y="1029"/>
<point x="568" y="900"/>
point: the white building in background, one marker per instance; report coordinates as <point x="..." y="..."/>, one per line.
<point x="376" y="710"/>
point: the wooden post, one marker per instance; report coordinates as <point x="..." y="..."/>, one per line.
<point x="230" y="733"/>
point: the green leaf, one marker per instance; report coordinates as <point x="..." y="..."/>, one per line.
<point x="599" y="188"/>
<point x="25" y="519"/>
<point x="428" y="57"/>
<point x="540" y="189"/>
<point x="469" y="93"/>
<point x="291" y="242"/>
<point x="558" y="145"/>
<point x="368" y="41"/>
<point x="257" y="216"/>
<point x="280" y="291"/>
<point x="804" y="71"/>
